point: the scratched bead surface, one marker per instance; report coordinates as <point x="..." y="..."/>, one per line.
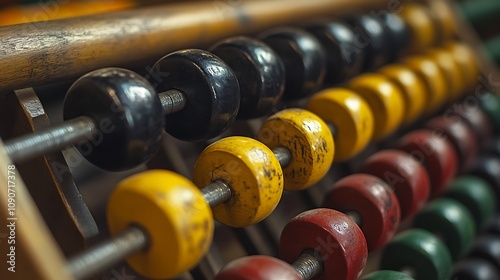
<point x="333" y="235"/>
<point x="407" y="177"/>
<point x="434" y="80"/>
<point x="307" y="138"/>
<point x="210" y="88"/>
<point x="349" y="115"/>
<point x="385" y="100"/>
<point x="304" y="59"/>
<point x="260" y="73"/>
<point x="435" y="153"/>
<point x="257" y="268"/>
<point x="173" y="213"/>
<point x="252" y="172"/>
<point x="373" y="200"/>
<point x="412" y="87"/>
<point x="127" y="112"/>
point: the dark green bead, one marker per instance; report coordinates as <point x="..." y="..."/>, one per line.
<point x="420" y="251"/>
<point x="387" y="275"/>
<point x="451" y="221"/>
<point x="490" y="104"/>
<point x="480" y="13"/>
<point x="477" y="195"/>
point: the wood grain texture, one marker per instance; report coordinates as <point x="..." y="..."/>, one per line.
<point x="48" y="178"/>
<point x="43" y="52"/>
<point x="37" y="255"/>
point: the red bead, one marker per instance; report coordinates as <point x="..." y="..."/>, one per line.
<point x="257" y="268"/>
<point x="470" y="112"/>
<point x="333" y="235"/>
<point x="373" y="200"/>
<point x="407" y="177"/>
<point x="460" y="135"/>
<point x="437" y="155"/>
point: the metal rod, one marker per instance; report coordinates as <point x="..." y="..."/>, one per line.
<point x="410" y="271"/>
<point x="56" y="138"/>
<point x="109" y="253"/>
<point x="355" y="216"/>
<point x="216" y="192"/>
<point x="283" y="155"/>
<point x="38" y="53"/>
<point x="333" y="129"/>
<point x="172" y="101"/>
<point x="308" y="265"/>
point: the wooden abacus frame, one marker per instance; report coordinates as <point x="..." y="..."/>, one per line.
<point x="39" y="53"/>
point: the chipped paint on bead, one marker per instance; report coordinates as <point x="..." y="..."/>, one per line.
<point x="252" y="172"/>
<point x="307" y="138"/>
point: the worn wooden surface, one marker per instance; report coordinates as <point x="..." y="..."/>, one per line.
<point x="38" y="53"/>
<point x="37" y="254"/>
<point x="48" y="178"/>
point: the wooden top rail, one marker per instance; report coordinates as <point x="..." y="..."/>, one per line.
<point x="39" y="53"/>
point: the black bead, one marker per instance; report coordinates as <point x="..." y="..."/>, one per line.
<point x="304" y="59"/>
<point x="344" y="50"/>
<point x="210" y="88"/>
<point x="487" y="247"/>
<point x="493" y="148"/>
<point x="127" y="111"/>
<point x="260" y="73"/>
<point x="475" y="269"/>
<point x="494" y="227"/>
<point x="376" y="40"/>
<point x="488" y="168"/>
<point x="398" y="34"/>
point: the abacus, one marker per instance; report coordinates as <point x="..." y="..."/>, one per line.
<point x="252" y="140"/>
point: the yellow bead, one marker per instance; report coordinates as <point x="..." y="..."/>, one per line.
<point x="253" y="173"/>
<point x="350" y="116"/>
<point x="421" y="26"/>
<point x="412" y="87"/>
<point x="172" y="211"/>
<point x="307" y="138"/>
<point x="465" y="58"/>
<point x="444" y="17"/>
<point x="451" y="70"/>
<point x="385" y="100"/>
<point x="434" y="79"/>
